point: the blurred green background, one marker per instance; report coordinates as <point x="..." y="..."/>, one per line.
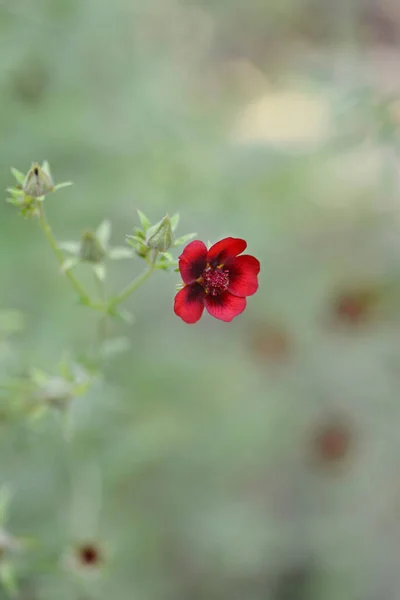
<point x="256" y="460"/>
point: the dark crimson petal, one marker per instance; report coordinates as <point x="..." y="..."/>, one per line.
<point x="243" y="271"/>
<point x="189" y="303"/>
<point x="225" y="307"/>
<point x="224" y="250"/>
<point x="192" y="261"/>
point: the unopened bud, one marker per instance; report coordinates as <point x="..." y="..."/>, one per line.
<point x="37" y="182"/>
<point x="160" y="236"/>
<point x="91" y="250"/>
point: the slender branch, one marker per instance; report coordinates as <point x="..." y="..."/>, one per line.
<point x="133" y="286"/>
<point x="101" y="332"/>
<point x="45" y="225"/>
<point x="101" y="288"/>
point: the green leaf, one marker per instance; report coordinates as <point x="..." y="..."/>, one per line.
<point x="139" y="233"/>
<point x="119" y="252"/>
<point x="103" y="233"/>
<point x="100" y="271"/>
<point x="72" y="247"/>
<point x="134" y="240"/>
<point x="15" y="191"/>
<point x="70" y="263"/>
<point x="61" y="185"/>
<point x="184" y="239"/>
<point x="175" y="221"/>
<point x="46" y="168"/>
<point x="145" y="222"/>
<point x="167" y="256"/>
<point x="20" y="177"/>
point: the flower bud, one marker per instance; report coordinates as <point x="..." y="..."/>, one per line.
<point x="160" y="236"/>
<point x="90" y="249"/>
<point x="37" y="182"/>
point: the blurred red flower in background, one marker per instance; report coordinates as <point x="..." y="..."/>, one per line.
<point x="89" y="555"/>
<point x="356" y="306"/>
<point x="332" y="441"/>
<point x="217" y="279"/>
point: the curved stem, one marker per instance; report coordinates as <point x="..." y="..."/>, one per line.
<point x="133" y="286"/>
<point x="83" y="295"/>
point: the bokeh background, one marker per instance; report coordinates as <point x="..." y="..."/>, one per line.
<point x="256" y="460"/>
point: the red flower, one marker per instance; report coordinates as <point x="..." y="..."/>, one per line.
<point x="217" y="279"/>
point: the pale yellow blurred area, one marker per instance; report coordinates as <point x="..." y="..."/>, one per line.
<point x="285" y="118"/>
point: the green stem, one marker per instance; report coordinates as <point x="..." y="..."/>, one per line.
<point x="83" y="295"/>
<point x="101" y="332"/>
<point x="134" y="285"/>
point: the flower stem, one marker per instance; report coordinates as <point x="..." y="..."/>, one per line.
<point x="134" y="285"/>
<point x="101" y="332"/>
<point x="83" y="295"/>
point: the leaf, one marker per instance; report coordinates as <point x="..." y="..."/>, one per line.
<point x="167" y="256"/>
<point x="152" y="230"/>
<point x="72" y="247"/>
<point x="145" y="222"/>
<point x="184" y="239"/>
<point x="103" y="233"/>
<point x="134" y="240"/>
<point x="119" y="252"/>
<point x="46" y="167"/>
<point x="175" y="221"/>
<point x="20" y="177"/>
<point x="70" y="263"/>
<point x="14" y="201"/>
<point x="61" y="185"/>
<point x="100" y="271"/>
<point x="15" y="191"/>
<point x="139" y="233"/>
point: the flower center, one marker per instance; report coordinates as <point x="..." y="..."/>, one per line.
<point x="215" y="281"/>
